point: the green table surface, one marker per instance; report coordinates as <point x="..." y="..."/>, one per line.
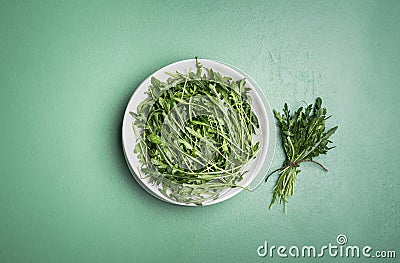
<point x="68" y="69"/>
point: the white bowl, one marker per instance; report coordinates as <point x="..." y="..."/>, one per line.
<point x="257" y="168"/>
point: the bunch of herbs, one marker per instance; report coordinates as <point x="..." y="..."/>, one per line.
<point x="304" y="137"/>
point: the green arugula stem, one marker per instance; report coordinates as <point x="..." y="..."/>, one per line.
<point x="295" y="164"/>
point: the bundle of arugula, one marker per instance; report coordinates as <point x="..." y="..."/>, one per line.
<point x="304" y="137"/>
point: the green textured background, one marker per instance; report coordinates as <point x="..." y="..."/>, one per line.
<point x="68" y="69"/>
